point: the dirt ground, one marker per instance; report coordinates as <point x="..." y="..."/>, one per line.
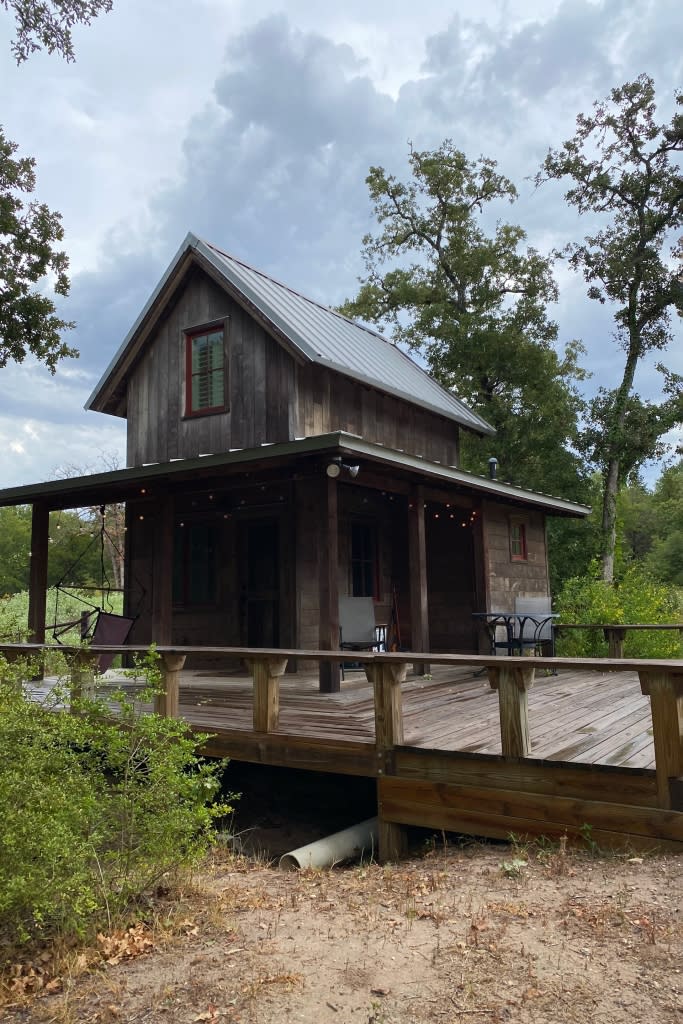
<point x="486" y="933"/>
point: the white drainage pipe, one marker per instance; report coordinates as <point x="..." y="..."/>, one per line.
<point x="351" y="842"/>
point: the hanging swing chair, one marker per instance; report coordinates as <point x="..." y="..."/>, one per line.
<point x="98" y="623"/>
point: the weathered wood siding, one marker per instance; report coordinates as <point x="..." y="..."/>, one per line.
<point x="451" y="582"/>
<point x="260" y="388"/>
<point x="271" y="398"/>
<point x="328" y="401"/>
<point x="508" y="579"/>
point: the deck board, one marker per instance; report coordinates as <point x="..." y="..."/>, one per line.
<point x="575" y="716"/>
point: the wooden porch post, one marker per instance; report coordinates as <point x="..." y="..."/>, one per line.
<point x="167" y="703"/>
<point x="37" y="587"/>
<point x="162" y="572"/>
<point x="513" y="686"/>
<point x="417" y="564"/>
<point x="666" y="705"/>
<point x="386" y="680"/>
<point x="266" y="674"/>
<point x="328" y="569"/>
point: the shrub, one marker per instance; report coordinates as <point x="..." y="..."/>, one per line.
<point x="97" y="806"/>
<point x="636" y="597"/>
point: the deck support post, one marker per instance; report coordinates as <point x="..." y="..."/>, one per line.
<point x="328" y="569"/>
<point x="417" y="560"/>
<point x="615" y="640"/>
<point x="513" y="685"/>
<point x="37" y="587"/>
<point x="386" y="681"/>
<point x="665" y="690"/>
<point x="266" y="673"/>
<point x="83" y="667"/>
<point x="167" y="703"/>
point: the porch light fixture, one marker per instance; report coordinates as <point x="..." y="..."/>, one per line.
<point x="335" y="466"/>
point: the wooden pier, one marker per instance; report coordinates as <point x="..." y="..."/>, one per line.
<point x="480" y="745"/>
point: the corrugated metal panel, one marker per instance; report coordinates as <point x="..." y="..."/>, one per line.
<point x="330" y="339"/>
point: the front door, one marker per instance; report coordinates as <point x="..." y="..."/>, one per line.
<point x="260" y="582"/>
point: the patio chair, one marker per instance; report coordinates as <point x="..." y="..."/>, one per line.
<point x="540" y="637"/>
<point x="357" y="628"/>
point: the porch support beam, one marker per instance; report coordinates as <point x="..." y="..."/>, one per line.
<point x="417" y="561"/>
<point x="162" y="580"/>
<point x="37" y="593"/>
<point x="328" y="569"/>
<point x="266" y="673"/>
<point x="167" y="702"/>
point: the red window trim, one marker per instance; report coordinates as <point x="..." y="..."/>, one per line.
<point x="522" y="556"/>
<point x="189" y="336"/>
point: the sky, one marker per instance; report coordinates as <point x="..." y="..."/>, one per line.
<point x="254" y="124"/>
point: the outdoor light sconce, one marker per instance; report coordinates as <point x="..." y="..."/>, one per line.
<point x="335" y="466"/>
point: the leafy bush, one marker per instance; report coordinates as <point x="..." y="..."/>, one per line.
<point x="97" y="806"/>
<point x="636" y="597"/>
<point x="67" y="606"/>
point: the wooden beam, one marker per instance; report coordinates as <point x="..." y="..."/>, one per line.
<point x="328" y="582"/>
<point x="615" y="637"/>
<point x="665" y="690"/>
<point x="266" y="673"/>
<point x="162" y="572"/>
<point x="37" y="587"/>
<point x="513" y="685"/>
<point x="167" y="703"/>
<point x="386" y="680"/>
<point x="417" y="562"/>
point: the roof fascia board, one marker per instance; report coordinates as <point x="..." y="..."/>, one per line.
<point x="203" y="259"/>
<point x="129" y="347"/>
<point x="57" y="490"/>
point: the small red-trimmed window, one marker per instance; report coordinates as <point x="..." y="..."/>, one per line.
<point x="518" y="551"/>
<point x="205" y="371"/>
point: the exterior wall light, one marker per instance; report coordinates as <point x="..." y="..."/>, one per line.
<point x="335" y="466"/>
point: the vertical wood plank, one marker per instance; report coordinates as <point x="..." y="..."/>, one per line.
<point x="266" y="674"/>
<point x="328" y="581"/>
<point x="513" y="685"/>
<point x="392" y="838"/>
<point x="417" y="558"/>
<point x="162" y="585"/>
<point x="167" y="703"/>
<point x="666" y="706"/>
<point x="386" y="680"/>
<point x="37" y="594"/>
<point x="615" y="641"/>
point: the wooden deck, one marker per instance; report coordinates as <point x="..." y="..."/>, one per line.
<point x="480" y="745"/>
<point x="589" y="717"/>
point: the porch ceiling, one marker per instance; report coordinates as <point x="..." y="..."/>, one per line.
<point x="124" y="484"/>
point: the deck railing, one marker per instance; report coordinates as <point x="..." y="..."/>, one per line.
<point x="615" y="633"/>
<point x="511" y="677"/>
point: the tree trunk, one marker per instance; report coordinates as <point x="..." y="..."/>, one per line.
<point x="609" y="519"/>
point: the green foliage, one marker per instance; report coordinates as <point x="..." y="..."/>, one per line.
<point x="475" y="305"/>
<point x="624" y="167"/>
<point x="48" y="24"/>
<point x="98" y="805"/>
<point x="68" y="606"/>
<point x="636" y="597"/>
<point x="28" y="319"/>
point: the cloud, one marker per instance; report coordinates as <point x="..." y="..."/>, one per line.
<point x="263" y="145"/>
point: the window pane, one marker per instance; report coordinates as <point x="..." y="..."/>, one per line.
<point x="207" y="387"/>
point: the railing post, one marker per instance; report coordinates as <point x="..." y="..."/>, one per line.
<point x="83" y="666"/>
<point x="513" y="685"/>
<point x="386" y="680"/>
<point x="167" y="703"/>
<point x="615" y="640"/>
<point x="266" y="673"/>
<point x="665" y="690"/>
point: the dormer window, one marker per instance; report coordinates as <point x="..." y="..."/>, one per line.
<point x="205" y="388"/>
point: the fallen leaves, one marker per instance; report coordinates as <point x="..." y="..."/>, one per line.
<point x="125" y="945"/>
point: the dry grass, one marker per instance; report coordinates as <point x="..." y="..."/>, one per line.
<point x="453" y="936"/>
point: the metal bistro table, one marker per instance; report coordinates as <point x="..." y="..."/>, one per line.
<point x="522" y="630"/>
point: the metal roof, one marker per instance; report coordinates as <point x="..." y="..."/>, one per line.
<point x="119" y="484"/>
<point x="320" y="335"/>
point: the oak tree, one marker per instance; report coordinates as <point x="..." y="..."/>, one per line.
<point x="473" y="302"/>
<point x="625" y="172"/>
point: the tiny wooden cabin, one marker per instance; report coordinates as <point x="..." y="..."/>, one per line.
<point x="281" y="456"/>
